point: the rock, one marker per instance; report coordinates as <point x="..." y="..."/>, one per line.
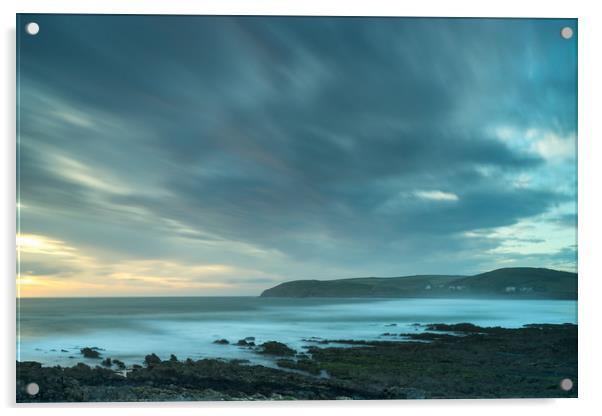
<point x="461" y="327"/>
<point x="404" y="393"/>
<point x="173" y="358"/>
<point x="276" y="348"/>
<point x="222" y="341"/>
<point x="64" y="351"/>
<point x="152" y="359"/>
<point x="490" y="363"/>
<point x="239" y="361"/>
<point x="245" y="343"/>
<point x="90" y="352"/>
<point x="301" y="365"/>
<point x="107" y="362"/>
<point x="120" y="364"/>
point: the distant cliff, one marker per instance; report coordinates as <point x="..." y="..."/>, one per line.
<point x="519" y="282"/>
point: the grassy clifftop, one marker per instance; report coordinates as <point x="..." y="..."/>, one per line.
<point x="519" y="282"/>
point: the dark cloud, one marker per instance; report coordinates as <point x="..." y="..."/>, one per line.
<point x="314" y="137"/>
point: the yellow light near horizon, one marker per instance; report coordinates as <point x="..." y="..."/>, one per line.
<point x="39" y="244"/>
<point x="80" y="272"/>
<point x="29" y="240"/>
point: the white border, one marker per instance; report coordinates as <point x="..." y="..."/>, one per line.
<point x="590" y="207"/>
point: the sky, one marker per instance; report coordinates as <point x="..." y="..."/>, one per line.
<point x="181" y="155"/>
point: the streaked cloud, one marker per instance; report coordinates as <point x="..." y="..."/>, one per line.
<point x="282" y="148"/>
<point x="437" y="195"/>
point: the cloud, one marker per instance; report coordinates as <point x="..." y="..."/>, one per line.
<point x="554" y="148"/>
<point x="436" y="195"/>
<point x="294" y="147"/>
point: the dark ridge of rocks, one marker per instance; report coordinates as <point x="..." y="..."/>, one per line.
<point x="430" y="336"/>
<point x="315" y="340"/>
<point x="462" y="327"/>
<point x="222" y="341"/>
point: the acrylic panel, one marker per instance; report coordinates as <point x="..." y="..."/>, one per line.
<point x="295" y="208"/>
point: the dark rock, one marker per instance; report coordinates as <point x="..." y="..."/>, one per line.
<point x="276" y="348"/>
<point x="462" y="327"/>
<point x="316" y="340"/>
<point x="173" y="358"/>
<point x="245" y="343"/>
<point x="90" y="352"/>
<point x="301" y="365"/>
<point x="151" y="360"/>
<point x="222" y="341"/>
<point x="404" y="393"/>
<point x="119" y="364"/>
<point x="107" y="362"/>
<point x="239" y="361"/>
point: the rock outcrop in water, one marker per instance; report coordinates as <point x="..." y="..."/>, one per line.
<point x="519" y="282"/>
<point x="276" y="348"/>
<point x="88" y="352"/>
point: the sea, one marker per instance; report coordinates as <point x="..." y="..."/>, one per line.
<point x="53" y="330"/>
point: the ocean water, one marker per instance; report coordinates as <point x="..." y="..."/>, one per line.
<point x="52" y="331"/>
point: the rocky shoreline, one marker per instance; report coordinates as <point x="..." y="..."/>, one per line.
<point x="444" y="361"/>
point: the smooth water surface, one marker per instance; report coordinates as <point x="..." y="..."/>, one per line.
<point x="52" y="331"/>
